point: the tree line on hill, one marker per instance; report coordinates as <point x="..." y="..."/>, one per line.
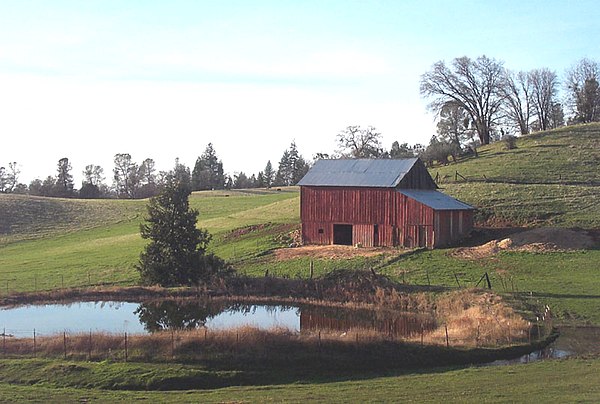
<point x="132" y="180"/>
<point x="475" y="102"/>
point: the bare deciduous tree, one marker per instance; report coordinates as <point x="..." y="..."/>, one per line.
<point x="356" y="142"/>
<point x="583" y="90"/>
<point x="544" y="84"/>
<point x="517" y="94"/>
<point x="474" y="85"/>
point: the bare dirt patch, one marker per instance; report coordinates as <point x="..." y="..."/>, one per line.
<point x="545" y="239"/>
<point x="330" y="252"/>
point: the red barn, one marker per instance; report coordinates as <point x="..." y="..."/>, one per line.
<point x="379" y="203"/>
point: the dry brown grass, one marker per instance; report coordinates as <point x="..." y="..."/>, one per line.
<point x="478" y="319"/>
<point x="330" y="252"/>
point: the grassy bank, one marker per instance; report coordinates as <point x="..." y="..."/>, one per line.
<point x="562" y="381"/>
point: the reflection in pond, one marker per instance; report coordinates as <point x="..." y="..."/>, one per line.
<point x="148" y="317"/>
<point x="170" y="314"/>
<point x="186" y="315"/>
<point x="386" y="322"/>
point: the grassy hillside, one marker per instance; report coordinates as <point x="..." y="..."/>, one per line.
<point x="47" y="243"/>
<point x="28" y="217"/>
<point x="551" y="178"/>
<point x="68" y="250"/>
<point x="565" y="155"/>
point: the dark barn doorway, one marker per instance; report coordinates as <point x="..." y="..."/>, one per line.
<point x="342" y="234"/>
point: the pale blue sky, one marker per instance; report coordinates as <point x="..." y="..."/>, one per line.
<point x="161" y="79"/>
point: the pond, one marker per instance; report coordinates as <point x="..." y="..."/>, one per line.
<point x="572" y="341"/>
<point x="139" y="318"/>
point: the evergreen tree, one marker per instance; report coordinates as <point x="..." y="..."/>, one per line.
<point x="208" y="171"/>
<point x="292" y="167"/>
<point x="125" y="178"/>
<point x="176" y="254"/>
<point x="268" y="175"/>
<point x="64" y="179"/>
<point x="260" y="180"/>
<point x="181" y="174"/>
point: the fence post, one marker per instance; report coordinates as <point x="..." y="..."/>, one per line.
<point x="172" y="344"/>
<point x="456" y="278"/>
<point x="90" y="347"/>
<point x="4" y="342"/>
<point x="126" y="356"/>
<point x="65" y="343"/>
<point x="34" y="344"/>
<point x="319" y="342"/>
<point x="312" y="267"/>
<point x="447" y="340"/>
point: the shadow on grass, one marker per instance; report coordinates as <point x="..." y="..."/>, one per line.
<point x="564" y="296"/>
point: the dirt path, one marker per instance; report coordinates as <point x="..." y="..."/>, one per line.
<point x="537" y="240"/>
<point x="331" y="252"/>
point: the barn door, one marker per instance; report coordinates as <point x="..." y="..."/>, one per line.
<point x="376" y="235"/>
<point x="342" y="234"/>
<point x="422" y="236"/>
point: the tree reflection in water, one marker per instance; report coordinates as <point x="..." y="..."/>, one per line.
<point x="178" y="315"/>
<point x="193" y="314"/>
<point x="185" y="315"/>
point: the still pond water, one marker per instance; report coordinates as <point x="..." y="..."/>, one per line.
<point x="140" y="318"/>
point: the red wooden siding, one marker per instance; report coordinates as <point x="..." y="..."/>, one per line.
<point x="418" y="178"/>
<point x="379" y="216"/>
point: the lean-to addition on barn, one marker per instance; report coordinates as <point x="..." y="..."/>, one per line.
<point x="379" y="203"/>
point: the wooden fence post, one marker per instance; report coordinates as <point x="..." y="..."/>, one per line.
<point x="447" y="339"/>
<point x="456" y="278"/>
<point x="172" y="344"/>
<point x="65" y="343"/>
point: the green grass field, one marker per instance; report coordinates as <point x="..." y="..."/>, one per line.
<point x="48" y="244"/>
<point x="559" y="381"/>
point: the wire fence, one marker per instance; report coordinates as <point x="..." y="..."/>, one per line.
<point x="176" y="344"/>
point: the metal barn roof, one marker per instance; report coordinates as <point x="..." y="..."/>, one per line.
<point x="435" y="200"/>
<point x="358" y="173"/>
